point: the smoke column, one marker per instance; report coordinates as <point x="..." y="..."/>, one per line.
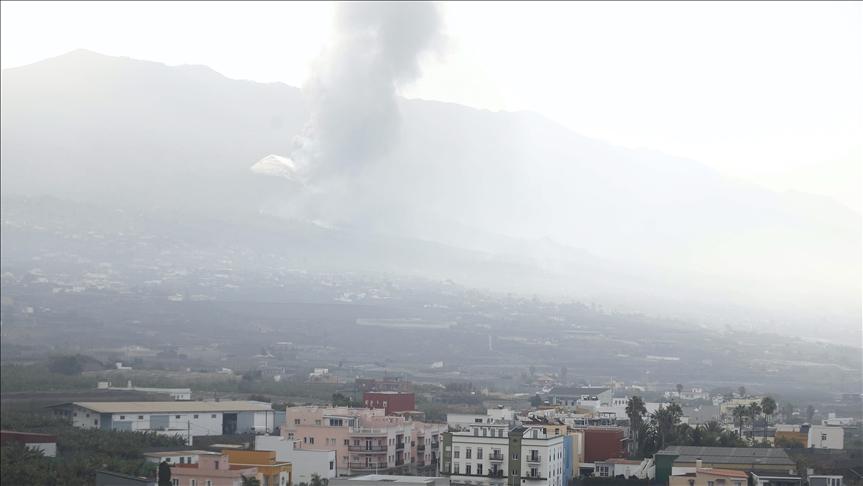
<point x="354" y="115"/>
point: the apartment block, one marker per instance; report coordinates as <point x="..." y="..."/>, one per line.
<point x="499" y="454"/>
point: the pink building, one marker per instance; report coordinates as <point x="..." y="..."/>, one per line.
<point x="365" y="440"/>
<point x="211" y="471"/>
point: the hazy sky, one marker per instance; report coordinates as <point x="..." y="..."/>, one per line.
<point x="765" y="92"/>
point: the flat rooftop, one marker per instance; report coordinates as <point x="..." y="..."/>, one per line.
<point x="393" y="479"/>
<point x="730" y="455"/>
<point x="172" y="407"/>
<point x="181" y="453"/>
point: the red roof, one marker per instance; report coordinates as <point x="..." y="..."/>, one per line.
<point x="27" y="437"/>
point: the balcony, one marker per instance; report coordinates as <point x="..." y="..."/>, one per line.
<point x="496" y="457"/>
<point x="372" y="466"/>
<point x="435" y="444"/>
<point x="421" y="447"/>
<point x="375" y="449"/>
<point x="495" y="474"/>
<point x="533" y="458"/>
<point x="400" y="445"/>
<point x="368" y="432"/>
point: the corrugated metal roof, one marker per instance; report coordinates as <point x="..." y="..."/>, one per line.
<point x="174" y="407"/>
<point x="729" y="455"/>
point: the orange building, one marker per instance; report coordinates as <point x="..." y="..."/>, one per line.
<point x="270" y="472"/>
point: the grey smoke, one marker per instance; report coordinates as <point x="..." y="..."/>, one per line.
<point x="354" y="107"/>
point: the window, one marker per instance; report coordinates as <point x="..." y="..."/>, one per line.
<point x="332" y="465"/>
<point x="209" y="483"/>
<point x="534" y="473"/>
<point x="177" y="416"/>
<point x="710" y="483"/>
<point x="311" y="440"/>
<point x="182" y="460"/>
<point x="479" y="452"/>
<point x="216" y="464"/>
<point x="467" y="453"/>
<point x="96" y="422"/>
<point x="691" y="482"/>
<point x="140" y="417"/>
<point x="318" y="422"/>
<point x="196" y="416"/>
<point x="479" y="469"/>
<point x="455" y="468"/>
<point x="213" y="416"/>
<point x="193" y="482"/>
<point x="296" y="421"/>
<point x="175" y="482"/>
<point x="823" y="436"/>
<point x="467" y="469"/>
<point x="456" y="453"/>
<point x="122" y="417"/>
<point x="477" y="420"/>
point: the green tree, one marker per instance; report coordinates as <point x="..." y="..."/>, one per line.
<point x="535" y="401"/>
<point x="341" y="400"/>
<point x="317" y="481"/>
<point x="810" y="413"/>
<point x="739" y="414"/>
<point x="249" y="481"/>
<point x="164" y="474"/>
<point x="636" y="411"/>
<point x="753" y="411"/>
<point x="665" y="419"/>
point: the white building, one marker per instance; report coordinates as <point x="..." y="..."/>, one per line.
<point x="186" y="419"/>
<point x="495" y="454"/>
<point x="826" y="437"/>
<point x="459" y="421"/>
<point x="179" y="457"/>
<point x="305" y="462"/>
<point x="46" y="443"/>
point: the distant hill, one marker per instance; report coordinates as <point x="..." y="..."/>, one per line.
<point x="575" y="216"/>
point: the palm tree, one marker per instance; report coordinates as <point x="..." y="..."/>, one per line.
<point x="753" y="411"/>
<point x="635" y="410"/>
<point x="679" y="389"/>
<point x="741" y="390"/>
<point x="739" y="412"/>
<point x="768" y="406"/>
<point x="664" y="420"/>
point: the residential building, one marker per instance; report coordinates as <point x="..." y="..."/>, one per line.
<point x="460" y="421"/>
<point x="270" y="471"/>
<point x="304" y="462"/>
<point x="212" y="471"/>
<point x="710" y="477"/>
<point x="825" y="480"/>
<point x="587" y="396"/>
<point x="787" y="434"/>
<point x="498" y="454"/>
<point x="364" y="439"/>
<point x="47" y="443"/>
<point x="612" y="468"/>
<point x="183" y="418"/>
<point x="775" y="480"/>
<point x="678" y="460"/>
<point x="391" y="401"/>
<point x="825" y="437"/>
<point x="179" y="457"/>
<point x="602" y="443"/>
<point x="690" y="394"/>
<point x="387" y="480"/>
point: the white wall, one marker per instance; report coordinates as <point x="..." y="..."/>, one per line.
<point x="826" y="437"/>
<point x="305" y="462"/>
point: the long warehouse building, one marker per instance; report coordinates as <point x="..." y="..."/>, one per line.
<point x="184" y="418"/>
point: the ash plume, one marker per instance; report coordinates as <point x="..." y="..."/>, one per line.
<point x="353" y="91"/>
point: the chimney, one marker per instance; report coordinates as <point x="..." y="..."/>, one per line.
<point x="698" y="463"/>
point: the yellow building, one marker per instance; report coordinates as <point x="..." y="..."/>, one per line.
<point x="710" y="477"/>
<point x="270" y="471"/>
